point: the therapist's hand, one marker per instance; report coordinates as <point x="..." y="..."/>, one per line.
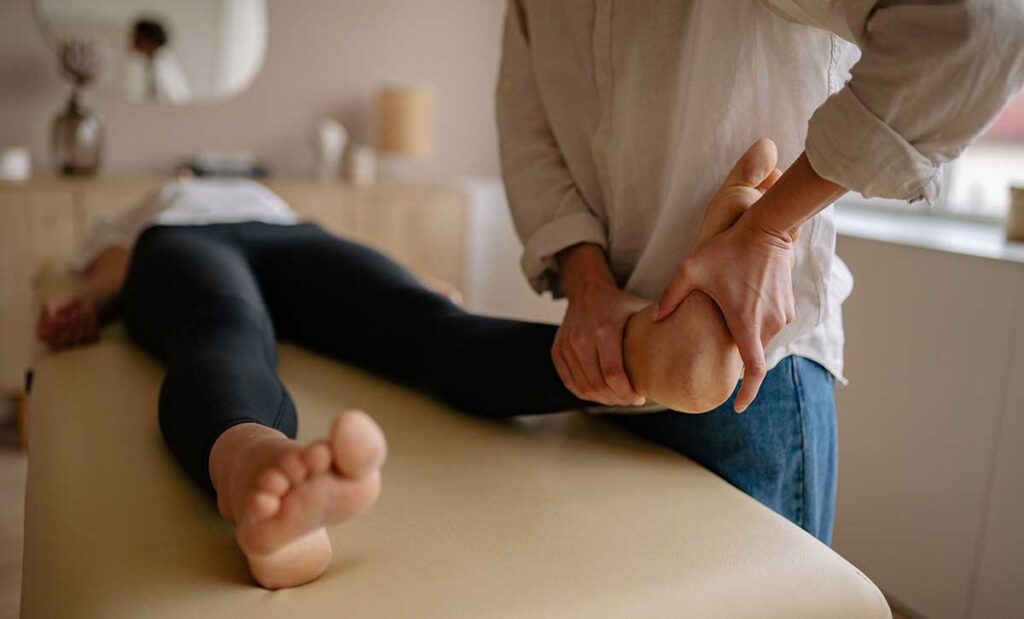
<point x="587" y="352"/>
<point x="747" y="270"/>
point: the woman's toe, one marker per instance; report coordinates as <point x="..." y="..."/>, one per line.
<point x="274" y="481"/>
<point x="317" y="458"/>
<point x="292" y="465"/>
<point x="357" y="443"/>
<point x="262" y="505"/>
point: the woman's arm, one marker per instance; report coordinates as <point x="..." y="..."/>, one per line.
<point x="76" y="319"/>
<point x="104" y="278"/>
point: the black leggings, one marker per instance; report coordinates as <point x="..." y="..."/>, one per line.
<point x="210" y="301"/>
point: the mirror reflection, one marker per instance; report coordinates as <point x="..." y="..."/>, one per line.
<point x="166" y="52"/>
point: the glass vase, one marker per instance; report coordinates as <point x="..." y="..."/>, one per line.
<point x="77" y="139"/>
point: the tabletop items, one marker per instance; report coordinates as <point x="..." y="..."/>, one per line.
<point x="76" y="137"/>
<point x="15" y="164"/>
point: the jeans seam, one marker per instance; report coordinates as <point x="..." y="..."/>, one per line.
<point x="802" y="452"/>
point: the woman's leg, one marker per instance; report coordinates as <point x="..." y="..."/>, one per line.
<point x="350" y="302"/>
<point x="191" y="299"/>
<point x="781" y="451"/>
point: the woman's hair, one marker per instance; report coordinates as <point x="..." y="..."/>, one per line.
<point x="150" y="31"/>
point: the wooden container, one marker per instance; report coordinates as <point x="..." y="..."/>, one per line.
<point x="1015" y="218"/>
<point x="405" y="122"/>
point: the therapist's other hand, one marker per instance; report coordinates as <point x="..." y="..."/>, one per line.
<point x="68" y="322"/>
<point x="587" y="352"/>
<point x="747" y="270"/>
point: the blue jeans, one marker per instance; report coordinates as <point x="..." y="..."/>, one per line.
<point x="781" y="451"/>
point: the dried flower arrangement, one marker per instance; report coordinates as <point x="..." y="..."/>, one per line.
<point x="77" y="133"/>
<point x="81" y="61"/>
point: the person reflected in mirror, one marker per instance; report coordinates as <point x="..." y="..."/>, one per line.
<point x="152" y="73"/>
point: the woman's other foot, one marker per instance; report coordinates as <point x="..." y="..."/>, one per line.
<point x="281" y="495"/>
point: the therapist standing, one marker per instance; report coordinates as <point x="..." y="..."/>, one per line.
<point x="617" y="121"/>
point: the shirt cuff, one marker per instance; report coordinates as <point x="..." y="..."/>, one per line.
<point x="539" y="264"/>
<point x="847" y="144"/>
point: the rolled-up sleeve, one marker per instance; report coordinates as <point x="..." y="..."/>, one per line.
<point x="549" y="212"/>
<point x="931" y="77"/>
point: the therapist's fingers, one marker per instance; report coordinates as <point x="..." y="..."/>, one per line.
<point x="609" y="352"/>
<point x="755" y="165"/>
<point x="565" y="373"/>
<point x="682" y="284"/>
<point x="562" y="368"/>
<point x="751" y="349"/>
<point x="584" y="362"/>
<point x="769" y="180"/>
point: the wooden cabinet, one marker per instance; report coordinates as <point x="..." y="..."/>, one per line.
<point x="42" y="222"/>
<point x="36" y="228"/>
<point x="393" y="220"/>
<point x="332" y="206"/>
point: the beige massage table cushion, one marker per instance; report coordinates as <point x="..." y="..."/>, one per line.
<point x="554" y="517"/>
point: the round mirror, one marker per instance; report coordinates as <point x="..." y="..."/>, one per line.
<point x="155" y="51"/>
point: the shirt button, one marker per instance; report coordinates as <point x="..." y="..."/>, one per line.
<point x="602" y="76"/>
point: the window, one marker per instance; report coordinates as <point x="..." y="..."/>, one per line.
<point x="977" y="185"/>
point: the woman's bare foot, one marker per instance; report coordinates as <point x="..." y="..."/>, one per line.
<point x="689" y="362"/>
<point x="280" y="494"/>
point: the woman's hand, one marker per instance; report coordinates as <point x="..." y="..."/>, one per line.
<point x="68" y="322"/>
<point x="588" y="347"/>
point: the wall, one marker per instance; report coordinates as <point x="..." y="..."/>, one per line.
<point x="494" y="283"/>
<point x="325" y="58"/>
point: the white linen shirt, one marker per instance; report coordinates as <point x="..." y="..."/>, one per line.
<point x="191" y="202"/>
<point x="619" y="119"/>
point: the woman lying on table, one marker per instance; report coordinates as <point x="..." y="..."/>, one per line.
<point x="208" y="274"/>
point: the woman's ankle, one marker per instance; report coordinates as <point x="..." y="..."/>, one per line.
<point x="229" y="451"/>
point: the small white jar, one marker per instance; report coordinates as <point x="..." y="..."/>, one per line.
<point x="362" y="166"/>
<point x="15" y="164"/>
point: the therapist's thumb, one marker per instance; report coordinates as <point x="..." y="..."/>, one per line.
<point x="756" y="166"/>
<point x="679" y="288"/>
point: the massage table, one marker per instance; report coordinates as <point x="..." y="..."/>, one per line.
<point x="562" y="516"/>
